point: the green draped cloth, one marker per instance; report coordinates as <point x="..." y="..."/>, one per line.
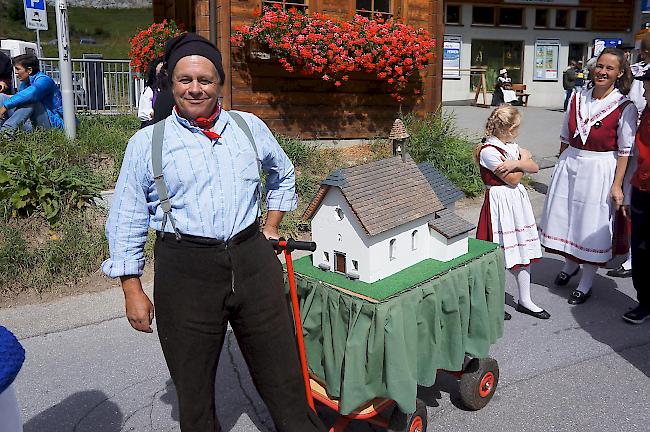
<point x="363" y="349"/>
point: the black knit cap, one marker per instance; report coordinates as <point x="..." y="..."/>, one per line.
<point x="189" y="44"/>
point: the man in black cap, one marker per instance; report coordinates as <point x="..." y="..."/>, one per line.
<point x="197" y="183"/>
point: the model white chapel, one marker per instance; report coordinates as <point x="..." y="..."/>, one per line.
<point x="373" y="220"/>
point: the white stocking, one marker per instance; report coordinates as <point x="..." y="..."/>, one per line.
<point x="587" y="279"/>
<point x="523" y="283"/>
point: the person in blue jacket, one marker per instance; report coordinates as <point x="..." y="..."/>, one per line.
<point x="38" y="99"/>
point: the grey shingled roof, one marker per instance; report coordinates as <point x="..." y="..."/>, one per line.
<point x="446" y="191"/>
<point x="383" y="194"/>
<point x="450" y="225"/>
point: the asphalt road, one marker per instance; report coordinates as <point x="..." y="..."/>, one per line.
<point x="584" y="369"/>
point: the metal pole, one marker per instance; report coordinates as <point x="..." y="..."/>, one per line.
<point x="65" y="69"/>
<point x="38" y="43"/>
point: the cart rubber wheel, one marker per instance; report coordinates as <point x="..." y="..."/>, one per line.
<point x="416" y="422"/>
<point x="479" y="382"/>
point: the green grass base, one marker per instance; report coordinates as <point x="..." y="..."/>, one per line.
<point x="397" y="282"/>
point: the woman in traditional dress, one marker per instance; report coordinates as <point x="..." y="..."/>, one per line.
<point x="507" y="217"/>
<point x="587" y="185"/>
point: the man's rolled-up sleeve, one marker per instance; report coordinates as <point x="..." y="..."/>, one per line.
<point x="128" y="219"/>
<point x="281" y="176"/>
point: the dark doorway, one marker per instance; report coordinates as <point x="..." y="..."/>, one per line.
<point x="339" y="262"/>
<point x="578" y="52"/>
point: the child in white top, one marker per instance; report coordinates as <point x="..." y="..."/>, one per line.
<point x="507" y="216"/>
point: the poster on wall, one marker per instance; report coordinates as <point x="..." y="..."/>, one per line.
<point x="547" y="54"/>
<point x="451" y="56"/>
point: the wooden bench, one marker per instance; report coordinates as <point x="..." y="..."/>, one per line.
<point x="520" y="91"/>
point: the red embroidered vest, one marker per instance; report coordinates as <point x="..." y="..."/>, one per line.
<point x="488" y="177"/>
<point x="641" y="179"/>
<point x="600" y="139"/>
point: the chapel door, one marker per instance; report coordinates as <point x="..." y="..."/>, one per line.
<point x="339" y="262"/>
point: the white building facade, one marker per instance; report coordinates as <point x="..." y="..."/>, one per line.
<point x="534" y="40"/>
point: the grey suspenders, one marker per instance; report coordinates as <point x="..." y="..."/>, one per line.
<point x="244" y="126"/>
<point x="159" y="181"/>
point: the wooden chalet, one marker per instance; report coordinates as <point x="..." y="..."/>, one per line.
<point x="304" y="106"/>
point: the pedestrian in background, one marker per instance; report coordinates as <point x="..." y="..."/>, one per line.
<point x="586" y="189"/>
<point x="640" y="213"/>
<point x="569" y="81"/>
<point x="580" y="76"/>
<point x="12" y="356"/>
<point x="6" y="74"/>
<point x="636" y="95"/>
<point x="507" y="216"/>
<point x="155" y="80"/>
<point x="37" y="104"/>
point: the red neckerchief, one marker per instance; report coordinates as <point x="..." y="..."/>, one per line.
<point x="205" y="124"/>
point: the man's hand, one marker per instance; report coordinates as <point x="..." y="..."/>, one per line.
<point x="139" y="309"/>
<point x="270" y="232"/>
<point x="3" y="111"/>
<point x="3" y="86"/>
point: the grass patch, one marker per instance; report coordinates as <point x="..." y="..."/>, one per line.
<point x="34" y="258"/>
<point x="435" y="138"/>
<point x="398" y="282"/>
<point x="110" y="28"/>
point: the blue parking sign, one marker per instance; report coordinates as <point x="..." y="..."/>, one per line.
<point x="35" y="4"/>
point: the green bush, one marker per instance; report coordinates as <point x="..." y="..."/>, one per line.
<point x="435" y="138"/>
<point x="34" y="181"/>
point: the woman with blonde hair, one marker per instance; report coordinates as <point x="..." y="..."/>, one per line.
<point x="587" y="185"/>
<point x="507" y="217"/>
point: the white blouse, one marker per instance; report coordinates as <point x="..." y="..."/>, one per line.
<point x="145" y="106"/>
<point x="590" y="107"/>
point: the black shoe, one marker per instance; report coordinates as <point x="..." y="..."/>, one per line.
<point x="506" y="316"/>
<point x="563" y="278"/>
<point x="578" y="297"/>
<point x="637" y="315"/>
<point x="540" y="315"/>
<point x="620" y="272"/>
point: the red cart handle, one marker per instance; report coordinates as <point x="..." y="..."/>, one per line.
<point x="292" y="245"/>
<point x="288" y="246"/>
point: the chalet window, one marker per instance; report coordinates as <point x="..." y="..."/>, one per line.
<point x="414" y="240"/>
<point x="355" y="265"/>
<point x="372" y="8"/>
<point x="541" y="17"/>
<point x="339" y="214"/>
<point x="509" y="16"/>
<point x="326" y="256"/>
<point x="453" y="14"/>
<point x="582" y="19"/>
<point x="391" y="249"/>
<point x="561" y="18"/>
<point x="301" y="5"/>
<point x="483" y="15"/>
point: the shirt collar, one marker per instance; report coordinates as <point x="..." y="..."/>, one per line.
<point x="219" y="126"/>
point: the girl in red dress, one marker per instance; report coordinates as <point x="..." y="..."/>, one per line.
<point x="507" y="217"/>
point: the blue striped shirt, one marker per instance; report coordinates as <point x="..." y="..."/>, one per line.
<point x="212" y="186"/>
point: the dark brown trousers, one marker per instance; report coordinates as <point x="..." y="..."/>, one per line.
<point x="200" y="285"/>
